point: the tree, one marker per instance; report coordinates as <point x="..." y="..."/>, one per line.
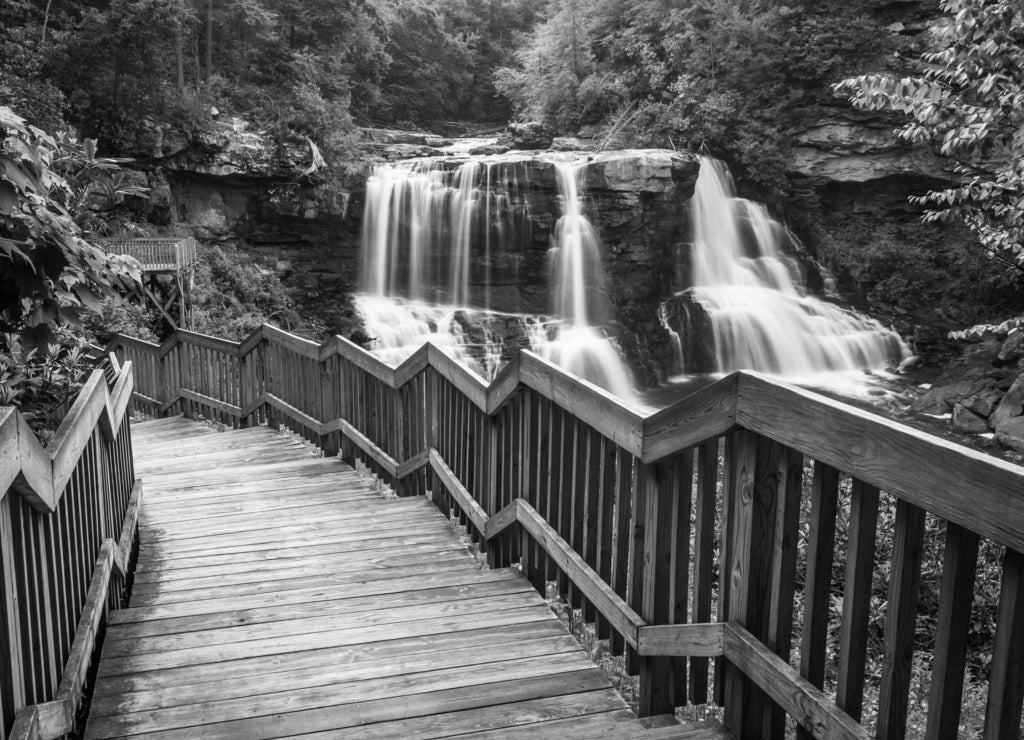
<point x="969" y="101"/>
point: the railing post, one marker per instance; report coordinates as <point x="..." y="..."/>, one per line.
<point x="754" y="483"/>
<point x="185" y="375"/>
<point x="661" y="682"/>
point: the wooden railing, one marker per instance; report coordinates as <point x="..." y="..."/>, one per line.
<point x="686" y="536"/>
<point x="68" y="516"/>
<point x="154" y="254"/>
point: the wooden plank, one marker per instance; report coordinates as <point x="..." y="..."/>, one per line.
<point x="331" y="674"/>
<point x="741" y="497"/>
<point x="361" y="713"/>
<point x="585" y="401"/>
<point x="782" y="576"/>
<point x="689" y="640"/>
<point x="801" y="700"/>
<point x="464" y="498"/>
<point x="610" y="604"/>
<point x="327" y="616"/>
<point x="657" y="689"/>
<point x="569" y="715"/>
<point x="860" y="563"/>
<point x="959" y="564"/>
<point x="708" y="413"/>
<point x="818" y="581"/>
<point x="209" y="718"/>
<point x="1006" y="680"/>
<point x="901" y="615"/>
<point x="387" y="652"/>
<point x="958" y="484"/>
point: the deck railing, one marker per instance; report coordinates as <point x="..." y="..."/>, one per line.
<point x="68" y="517"/>
<point x="166" y="254"/>
<point x="677" y="533"/>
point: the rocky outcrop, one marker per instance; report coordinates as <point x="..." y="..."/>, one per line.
<point x="635" y="199"/>
<point x="984" y="390"/>
<point x="850" y="147"/>
<point x="528" y="135"/>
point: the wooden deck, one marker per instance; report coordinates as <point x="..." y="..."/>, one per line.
<point x="278" y="595"/>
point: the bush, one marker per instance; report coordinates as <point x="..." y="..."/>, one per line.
<point x="41" y="382"/>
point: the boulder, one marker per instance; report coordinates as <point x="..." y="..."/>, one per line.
<point x="488" y="150"/>
<point x="942" y="399"/>
<point x="983" y="403"/>
<point x="528" y="135"/>
<point x="1012" y="349"/>
<point x="1011" y="406"/>
<point x="965" y="420"/>
<point x="1010" y="433"/>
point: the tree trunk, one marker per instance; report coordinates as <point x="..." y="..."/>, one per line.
<point x="179" y="50"/>
<point x="209" y="39"/>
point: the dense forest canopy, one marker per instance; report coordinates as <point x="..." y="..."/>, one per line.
<point x="736" y="78"/>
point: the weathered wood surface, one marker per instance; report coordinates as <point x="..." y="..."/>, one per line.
<point x="277" y="594"/>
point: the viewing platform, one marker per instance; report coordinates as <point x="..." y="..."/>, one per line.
<point x="156" y="255"/>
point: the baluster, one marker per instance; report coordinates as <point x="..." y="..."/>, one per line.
<point x="818" y="582"/>
<point x="681" y="501"/>
<point x="12" y="659"/>
<point x="652" y="570"/>
<point x="959" y="565"/>
<point x="860" y="559"/>
<point x="605" y="495"/>
<point x="898" y="645"/>
<point x="1006" y="680"/>
<point x="753" y="495"/>
<point x="782" y="590"/>
<point x="623" y="534"/>
<point x="704" y="557"/>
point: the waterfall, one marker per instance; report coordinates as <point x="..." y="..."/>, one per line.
<point x="760" y="315"/>
<point x="576" y="342"/>
<point x="430" y="234"/>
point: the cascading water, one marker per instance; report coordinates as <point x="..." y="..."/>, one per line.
<point x="577" y="344"/>
<point x="425" y="226"/>
<point x="421" y="223"/>
<point x="760" y="316"/>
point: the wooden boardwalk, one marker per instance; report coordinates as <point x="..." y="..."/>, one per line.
<point x="278" y="595"/>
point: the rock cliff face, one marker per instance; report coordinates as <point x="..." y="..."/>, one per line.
<point x="636" y="199"/>
<point x="234" y="186"/>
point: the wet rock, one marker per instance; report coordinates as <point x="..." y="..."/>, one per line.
<point x="1011" y="406"/>
<point x="487" y="150"/>
<point x="528" y="135"/>
<point x="941" y="400"/>
<point x="1012" y="349"/>
<point x="981" y="404"/>
<point x="967" y="421"/>
<point x="570" y="144"/>
<point x="1010" y="433"/>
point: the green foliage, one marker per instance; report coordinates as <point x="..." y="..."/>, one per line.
<point x="48" y="273"/>
<point x="231" y="295"/>
<point x="41" y="382"/>
<point x="969" y="101"/>
<point x="116" y="315"/>
<point x="730" y="76"/>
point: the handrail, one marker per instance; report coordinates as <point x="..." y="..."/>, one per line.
<point x="602" y="498"/>
<point x="68" y="518"/>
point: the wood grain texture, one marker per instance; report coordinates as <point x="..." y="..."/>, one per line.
<point x="356" y="627"/>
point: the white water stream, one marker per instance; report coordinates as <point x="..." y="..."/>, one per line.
<point x="761" y="316"/>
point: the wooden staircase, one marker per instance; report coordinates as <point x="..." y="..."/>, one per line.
<point x="277" y="594"/>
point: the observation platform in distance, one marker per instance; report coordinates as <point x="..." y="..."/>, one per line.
<point x="156" y="255"/>
<point x="279" y="594"/>
<point x="168" y="256"/>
